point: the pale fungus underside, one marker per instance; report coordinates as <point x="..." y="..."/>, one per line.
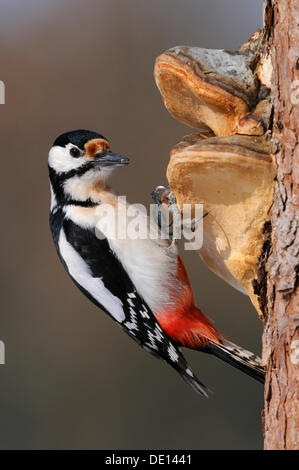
<point x="228" y="166"/>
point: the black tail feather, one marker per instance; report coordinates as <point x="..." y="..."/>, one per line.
<point x="195" y="383"/>
<point x="238" y="357"/>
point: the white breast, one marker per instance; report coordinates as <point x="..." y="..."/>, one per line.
<point x="150" y="264"/>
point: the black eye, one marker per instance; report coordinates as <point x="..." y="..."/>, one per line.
<point x="74" y="152"/>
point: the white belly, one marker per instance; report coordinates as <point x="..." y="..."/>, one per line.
<point x="150" y="267"/>
<point x="150" y="264"/>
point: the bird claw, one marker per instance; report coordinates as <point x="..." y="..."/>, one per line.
<point x="166" y="208"/>
<point x="165" y="200"/>
<point x="191" y="224"/>
<point x="163" y="195"/>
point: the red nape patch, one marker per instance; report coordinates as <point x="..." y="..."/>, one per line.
<point x="95" y="146"/>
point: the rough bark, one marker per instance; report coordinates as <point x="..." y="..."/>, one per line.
<point x="281" y="309"/>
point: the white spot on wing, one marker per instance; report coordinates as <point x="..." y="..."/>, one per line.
<point x="144" y="314"/>
<point x="172" y="353"/>
<point x="132" y="325"/>
<point x="80" y="271"/>
<point x="158" y="334"/>
<point x="151" y="344"/>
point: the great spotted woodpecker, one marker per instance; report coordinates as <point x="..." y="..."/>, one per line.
<point x="141" y="283"/>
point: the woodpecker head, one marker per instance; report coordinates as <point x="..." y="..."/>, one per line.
<point x="78" y="161"/>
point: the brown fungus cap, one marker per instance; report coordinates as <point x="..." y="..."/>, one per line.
<point x="233" y="177"/>
<point x="209" y="88"/>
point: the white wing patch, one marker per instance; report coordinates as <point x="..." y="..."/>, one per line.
<point x="80" y="271"/>
<point x="53" y="199"/>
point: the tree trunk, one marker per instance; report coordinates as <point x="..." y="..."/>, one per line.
<point x="281" y="312"/>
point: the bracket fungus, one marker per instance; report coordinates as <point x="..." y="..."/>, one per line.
<point x="228" y="165"/>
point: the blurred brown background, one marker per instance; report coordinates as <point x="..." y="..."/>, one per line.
<point x="72" y="379"/>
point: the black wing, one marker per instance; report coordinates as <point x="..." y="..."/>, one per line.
<point x="139" y="322"/>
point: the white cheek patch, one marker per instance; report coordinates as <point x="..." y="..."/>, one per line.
<point x="80" y="271"/>
<point x="79" y="187"/>
<point x="61" y="160"/>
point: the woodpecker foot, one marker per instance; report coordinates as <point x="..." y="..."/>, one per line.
<point x="191" y="224"/>
<point x="167" y="214"/>
<point x="165" y="209"/>
<point x="163" y="195"/>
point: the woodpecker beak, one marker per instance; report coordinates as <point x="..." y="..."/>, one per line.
<point x="107" y="158"/>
